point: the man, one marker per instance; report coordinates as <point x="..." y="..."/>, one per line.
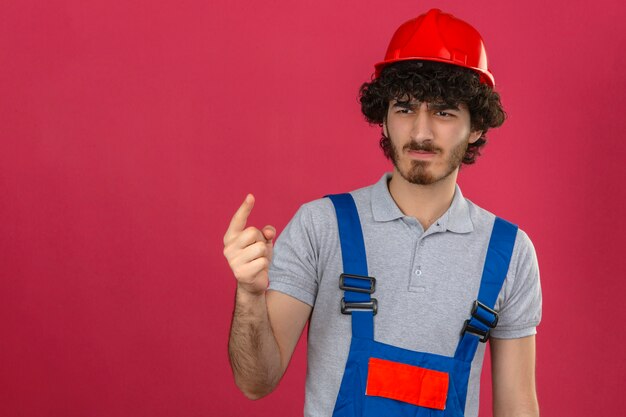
<point x="440" y="262"/>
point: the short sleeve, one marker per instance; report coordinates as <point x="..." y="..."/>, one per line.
<point x="293" y="270"/>
<point x="519" y="302"/>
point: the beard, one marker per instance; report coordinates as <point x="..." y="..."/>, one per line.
<point x="419" y="172"/>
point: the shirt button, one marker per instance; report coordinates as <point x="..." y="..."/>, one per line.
<point x="418" y="272"/>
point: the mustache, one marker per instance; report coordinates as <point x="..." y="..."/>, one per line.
<point x="426" y="146"/>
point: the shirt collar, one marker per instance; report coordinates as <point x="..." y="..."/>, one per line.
<point x="456" y="219"/>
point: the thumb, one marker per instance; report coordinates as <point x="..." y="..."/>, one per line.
<point x="269" y="233"/>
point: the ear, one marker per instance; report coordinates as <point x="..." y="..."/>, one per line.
<point x="385" y="132"/>
<point x="475" y="135"/>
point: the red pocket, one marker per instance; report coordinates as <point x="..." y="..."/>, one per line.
<point x="408" y="383"/>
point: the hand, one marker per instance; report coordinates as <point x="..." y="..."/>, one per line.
<point x="249" y="250"/>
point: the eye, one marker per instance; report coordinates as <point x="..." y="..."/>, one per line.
<point x="443" y="113"/>
<point x="404" y="110"/>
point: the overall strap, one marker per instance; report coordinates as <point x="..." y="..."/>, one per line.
<point x="354" y="281"/>
<point x="483" y="318"/>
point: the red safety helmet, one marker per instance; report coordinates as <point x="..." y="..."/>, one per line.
<point x="441" y="37"/>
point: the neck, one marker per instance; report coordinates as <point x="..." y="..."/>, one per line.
<point x="426" y="203"/>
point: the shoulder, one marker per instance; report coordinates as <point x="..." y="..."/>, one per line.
<point x="321" y="212"/>
<point x="523" y="255"/>
<point x="316" y="215"/>
<point x="482" y="218"/>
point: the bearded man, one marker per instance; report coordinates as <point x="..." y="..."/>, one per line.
<point x="400" y="281"/>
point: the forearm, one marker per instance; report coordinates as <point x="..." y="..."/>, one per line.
<point x="513" y="373"/>
<point x="254" y="353"/>
<point x="527" y="407"/>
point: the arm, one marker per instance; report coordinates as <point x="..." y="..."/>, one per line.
<point x="513" y="377"/>
<point x="266" y="325"/>
<point x="263" y="335"/>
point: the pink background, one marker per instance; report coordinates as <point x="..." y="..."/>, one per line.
<point x="131" y="131"/>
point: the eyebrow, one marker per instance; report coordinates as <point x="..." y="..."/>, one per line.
<point x="406" y="104"/>
<point x="443" y="106"/>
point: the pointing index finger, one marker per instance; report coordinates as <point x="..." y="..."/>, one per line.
<point x="238" y="222"/>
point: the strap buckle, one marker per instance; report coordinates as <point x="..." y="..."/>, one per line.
<point x="352" y="285"/>
<point x="347" y="307"/>
<point x="485" y="316"/>
<point x="478" y="312"/>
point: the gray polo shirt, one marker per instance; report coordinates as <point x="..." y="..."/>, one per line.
<point x="426" y="282"/>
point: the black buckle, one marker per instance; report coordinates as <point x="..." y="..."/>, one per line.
<point x="349" y="307"/>
<point x="483" y="334"/>
<point x="493" y="323"/>
<point x="343" y="286"/>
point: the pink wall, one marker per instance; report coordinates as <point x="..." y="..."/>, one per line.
<point x="130" y="132"/>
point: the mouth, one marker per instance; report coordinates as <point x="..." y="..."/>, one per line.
<point x="421" y="154"/>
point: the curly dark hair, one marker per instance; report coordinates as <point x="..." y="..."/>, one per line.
<point x="429" y="81"/>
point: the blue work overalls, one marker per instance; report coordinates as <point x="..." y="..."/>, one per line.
<point x="383" y="380"/>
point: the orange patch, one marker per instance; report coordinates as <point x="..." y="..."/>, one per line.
<point x="411" y="384"/>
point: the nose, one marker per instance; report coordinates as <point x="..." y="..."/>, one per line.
<point x="422" y="125"/>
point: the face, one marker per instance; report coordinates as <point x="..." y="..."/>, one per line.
<point x="428" y="140"/>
